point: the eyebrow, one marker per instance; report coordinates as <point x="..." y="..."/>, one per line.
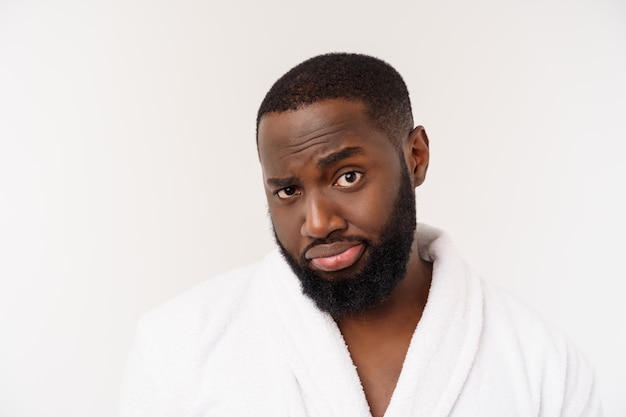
<point x="335" y="157"/>
<point x="281" y="182"/>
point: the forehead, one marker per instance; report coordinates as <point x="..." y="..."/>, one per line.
<point x="314" y="130"/>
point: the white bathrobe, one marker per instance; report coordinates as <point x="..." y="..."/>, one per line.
<point x="249" y="343"/>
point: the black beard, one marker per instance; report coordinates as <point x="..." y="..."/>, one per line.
<point x="385" y="265"/>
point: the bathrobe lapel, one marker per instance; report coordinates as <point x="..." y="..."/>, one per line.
<point x="446" y="339"/>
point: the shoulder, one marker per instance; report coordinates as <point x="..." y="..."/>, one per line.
<point x="210" y="296"/>
<point x="173" y="341"/>
<point x="208" y="305"/>
<point x="504" y="313"/>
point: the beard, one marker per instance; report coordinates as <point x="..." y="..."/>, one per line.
<point x="385" y="263"/>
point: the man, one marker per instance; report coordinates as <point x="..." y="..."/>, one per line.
<point x="362" y="312"/>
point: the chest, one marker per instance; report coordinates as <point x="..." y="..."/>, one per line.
<point x="378" y="363"/>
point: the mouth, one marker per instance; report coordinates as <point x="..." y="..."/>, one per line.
<point x="335" y="256"/>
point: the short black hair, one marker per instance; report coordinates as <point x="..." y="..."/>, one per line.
<point x="345" y="76"/>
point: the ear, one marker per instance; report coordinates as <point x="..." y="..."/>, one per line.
<point x="416" y="154"/>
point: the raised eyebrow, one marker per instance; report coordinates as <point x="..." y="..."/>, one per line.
<point x="335" y="157"/>
<point x="281" y="182"/>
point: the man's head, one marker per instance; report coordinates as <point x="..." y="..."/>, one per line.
<point x="340" y="163"/>
<point x="351" y="77"/>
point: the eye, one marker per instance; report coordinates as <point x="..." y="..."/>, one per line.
<point x="349" y="179"/>
<point x="287" y="192"/>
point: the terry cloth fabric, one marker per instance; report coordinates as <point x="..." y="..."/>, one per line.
<point x="249" y="343"/>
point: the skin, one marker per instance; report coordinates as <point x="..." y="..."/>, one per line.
<point x="316" y="190"/>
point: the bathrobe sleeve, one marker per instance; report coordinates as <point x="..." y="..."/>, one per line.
<point x="581" y="397"/>
<point x="144" y="391"/>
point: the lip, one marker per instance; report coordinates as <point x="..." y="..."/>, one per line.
<point x="335" y="256"/>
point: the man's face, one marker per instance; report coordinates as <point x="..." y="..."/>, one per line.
<point x="341" y="202"/>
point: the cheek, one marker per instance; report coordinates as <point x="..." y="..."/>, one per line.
<point x="286" y="227"/>
<point x="369" y="212"/>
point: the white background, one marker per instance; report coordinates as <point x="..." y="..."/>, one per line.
<point x="128" y="169"/>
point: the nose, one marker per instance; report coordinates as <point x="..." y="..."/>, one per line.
<point x="322" y="217"/>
